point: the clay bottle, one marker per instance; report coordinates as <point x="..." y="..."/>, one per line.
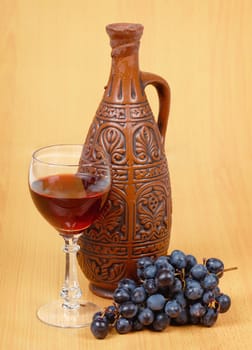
<point x="136" y="221"/>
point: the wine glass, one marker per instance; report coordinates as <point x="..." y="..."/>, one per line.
<point x="69" y="185"/>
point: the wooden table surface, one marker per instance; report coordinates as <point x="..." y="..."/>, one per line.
<point x="54" y="63"/>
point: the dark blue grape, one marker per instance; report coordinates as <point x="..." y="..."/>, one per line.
<point x="110" y="313"/>
<point x="137" y="325"/>
<point x="177" y="286"/>
<point x="210" y="281"/>
<point x="181" y="319"/>
<point x="121" y="295"/>
<point x="190" y="262"/>
<point x="146" y="316"/>
<point x="193" y="290"/>
<point x="138" y="295"/>
<point x="194" y="320"/>
<point x="162" y="262"/>
<point x="198" y="271"/>
<point x="208" y="297"/>
<point x="180" y="298"/>
<point x="215" y="266"/>
<point x="144" y="262"/>
<point x="150" y="286"/>
<point x="160" y="322"/>
<point x="209" y="318"/>
<point x="224" y="303"/>
<point x="164" y="278"/>
<point x="216" y="291"/>
<point x="99" y="315"/>
<point x="150" y="271"/>
<point x="123" y="325"/>
<point x="128" y="309"/>
<point x="155" y="302"/>
<point x="188" y="280"/>
<point x="140" y="274"/>
<point x="178" y="259"/>
<point x="172" y="308"/>
<point x="197" y="310"/>
<point x="128" y="284"/>
<point x="99" y="327"/>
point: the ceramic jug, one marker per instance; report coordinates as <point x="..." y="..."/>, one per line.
<point x="136" y="221"/>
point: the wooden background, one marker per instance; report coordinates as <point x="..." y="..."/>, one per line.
<point x="54" y="63"/>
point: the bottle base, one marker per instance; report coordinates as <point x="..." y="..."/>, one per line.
<point x="101" y="292"/>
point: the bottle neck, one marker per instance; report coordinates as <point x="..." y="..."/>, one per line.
<point x="125" y="60"/>
<point x="124" y="85"/>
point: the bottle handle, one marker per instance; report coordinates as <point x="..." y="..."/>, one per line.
<point x="164" y="95"/>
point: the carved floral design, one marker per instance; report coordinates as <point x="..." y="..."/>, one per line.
<point x="103" y="270"/>
<point x="146" y="147"/>
<point x="152" y="213"/>
<point x="119" y="174"/>
<point x="110" y="225"/>
<point x="113" y="140"/>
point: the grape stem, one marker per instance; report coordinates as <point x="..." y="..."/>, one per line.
<point x="230" y="269"/>
<point x="227" y="270"/>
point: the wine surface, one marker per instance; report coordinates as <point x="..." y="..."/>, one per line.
<point x="69" y="202"/>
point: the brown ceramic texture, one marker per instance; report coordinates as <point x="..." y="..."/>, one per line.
<point x="137" y="219"/>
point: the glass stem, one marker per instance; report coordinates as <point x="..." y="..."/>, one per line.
<point x="71" y="291"/>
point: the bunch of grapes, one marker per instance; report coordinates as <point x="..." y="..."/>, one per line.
<point x="172" y="290"/>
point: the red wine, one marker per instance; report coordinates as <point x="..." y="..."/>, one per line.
<point x="68" y="202"/>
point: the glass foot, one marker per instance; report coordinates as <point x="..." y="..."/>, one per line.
<point x="55" y="314"/>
